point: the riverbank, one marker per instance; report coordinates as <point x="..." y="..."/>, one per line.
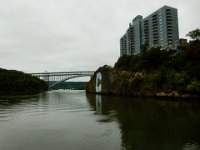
<point x="108" y="80"/>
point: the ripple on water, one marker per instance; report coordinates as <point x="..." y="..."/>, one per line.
<point x="191" y="146"/>
<point x="19" y="107"/>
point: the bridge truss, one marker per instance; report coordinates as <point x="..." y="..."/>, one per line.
<point x="54" y="78"/>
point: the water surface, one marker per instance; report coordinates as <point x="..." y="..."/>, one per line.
<point x="73" y="120"/>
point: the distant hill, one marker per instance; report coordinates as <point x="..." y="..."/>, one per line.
<point x="17" y="82"/>
<point x="71" y="85"/>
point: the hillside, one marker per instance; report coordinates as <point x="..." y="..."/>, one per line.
<point x="70" y="85"/>
<point x="16" y="82"/>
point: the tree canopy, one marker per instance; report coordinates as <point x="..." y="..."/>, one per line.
<point x="194" y="34"/>
<point x="16" y="82"/>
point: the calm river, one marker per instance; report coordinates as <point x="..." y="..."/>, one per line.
<point x="72" y="120"/>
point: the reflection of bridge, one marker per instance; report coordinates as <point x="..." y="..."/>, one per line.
<point x="54" y="78"/>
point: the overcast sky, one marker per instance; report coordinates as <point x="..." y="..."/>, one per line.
<point x="68" y="35"/>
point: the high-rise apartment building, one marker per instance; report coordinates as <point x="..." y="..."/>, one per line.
<point x="123" y="45"/>
<point x="158" y="29"/>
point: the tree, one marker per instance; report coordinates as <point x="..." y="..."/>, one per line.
<point x="144" y="48"/>
<point x="194" y="34"/>
<point x="123" y="62"/>
<point x="16" y="82"/>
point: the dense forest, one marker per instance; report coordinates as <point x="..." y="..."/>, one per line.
<point x="166" y="70"/>
<point x="16" y="82"/>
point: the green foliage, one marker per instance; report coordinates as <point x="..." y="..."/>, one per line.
<point x="194" y="87"/>
<point x="144" y="48"/>
<point x="146" y="61"/>
<point x="123" y="62"/>
<point x="181" y="80"/>
<point x="12" y="81"/>
<point x="165" y="71"/>
<point x="195" y="34"/>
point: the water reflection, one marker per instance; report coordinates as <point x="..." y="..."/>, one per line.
<point x="191" y="146"/>
<point x="72" y="120"/>
<point x="12" y="107"/>
<point x="57" y="120"/>
<point x="151" y="124"/>
<point x="98" y="105"/>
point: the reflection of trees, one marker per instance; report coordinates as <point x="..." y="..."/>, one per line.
<point x="15" y="100"/>
<point x="153" y="124"/>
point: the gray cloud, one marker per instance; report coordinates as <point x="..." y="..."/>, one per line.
<point x="62" y="35"/>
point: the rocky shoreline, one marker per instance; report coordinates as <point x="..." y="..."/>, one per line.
<point x="107" y="80"/>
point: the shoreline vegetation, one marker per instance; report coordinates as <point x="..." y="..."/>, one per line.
<point x="14" y="82"/>
<point x="154" y="72"/>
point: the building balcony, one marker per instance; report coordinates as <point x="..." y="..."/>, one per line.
<point x="168" y="10"/>
<point x="155" y="36"/>
<point x="169" y="26"/>
<point x="155" y="27"/>
<point x="168" y="14"/>
<point x="155" y="31"/>
<point x="154" y="16"/>
<point x="169" y="39"/>
<point x="155" y="41"/>
<point x="169" y="42"/>
<point x="154" y="23"/>
<point x="154" y="19"/>
<point x="169" y="20"/>
<point x="169" y="31"/>
<point x="169" y="34"/>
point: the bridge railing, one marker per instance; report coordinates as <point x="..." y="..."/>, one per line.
<point x="54" y="78"/>
<point x="63" y="73"/>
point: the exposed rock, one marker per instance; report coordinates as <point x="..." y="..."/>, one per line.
<point x="161" y="94"/>
<point x="117" y="82"/>
<point x="173" y="94"/>
<point x="107" y="80"/>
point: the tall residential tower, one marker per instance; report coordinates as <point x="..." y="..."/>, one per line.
<point x="158" y="29"/>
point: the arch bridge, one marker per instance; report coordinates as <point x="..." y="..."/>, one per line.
<point x="54" y="78"/>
